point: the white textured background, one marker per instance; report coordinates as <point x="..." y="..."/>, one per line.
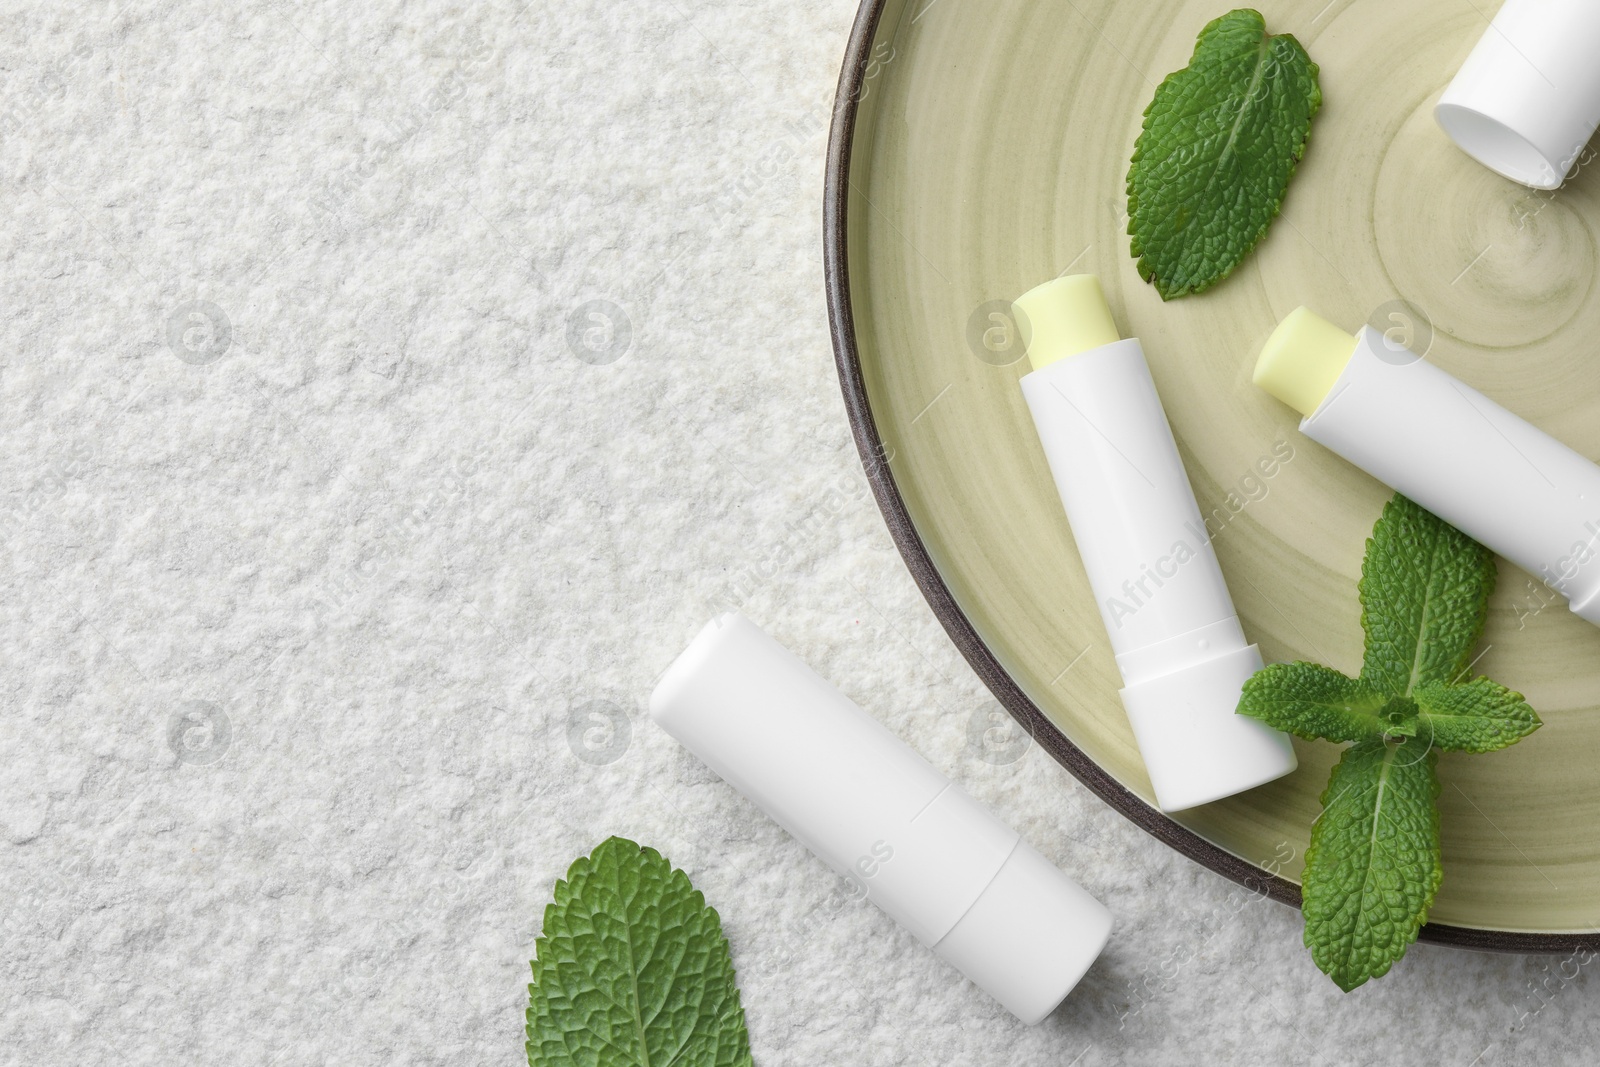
<point x="337" y="580"/>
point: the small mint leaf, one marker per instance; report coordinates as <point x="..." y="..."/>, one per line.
<point x="1424" y="597"/>
<point x="1478" y="716"/>
<point x="1399" y="717"/>
<point x="1312" y="701"/>
<point x="632" y="970"/>
<point x="1373" y="866"/>
<point x="1220" y="142"/>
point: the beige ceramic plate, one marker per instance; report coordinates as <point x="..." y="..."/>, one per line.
<point x="980" y="147"/>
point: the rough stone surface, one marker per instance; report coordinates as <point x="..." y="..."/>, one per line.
<point x="345" y="539"/>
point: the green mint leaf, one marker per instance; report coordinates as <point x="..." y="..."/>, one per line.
<point x="1424" y="597"/>
<point x="1372" y="867"/>
<point x="1312" y="701"/>
<point x="633" y="970"/>
<point x="1478" y="716"/>
<point x="1220" y="141"/>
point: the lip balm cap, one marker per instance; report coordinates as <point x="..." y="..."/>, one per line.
<point x="1527" y="99"/>
<point x="1030" y="937"/>
<point x="1063" y="317"/>
<point x="1302" y="359"/>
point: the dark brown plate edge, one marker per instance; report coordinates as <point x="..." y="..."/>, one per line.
<point x="864" y="430"/>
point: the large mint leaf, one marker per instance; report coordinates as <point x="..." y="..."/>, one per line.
<point x="1221" y="139"/>
<point x="632" y="970"/>
<point x="1476" y="716"/>
<point x="1312" y="701"/>
<point x="1424" y="597"/>
<point x="1373" y="866"/>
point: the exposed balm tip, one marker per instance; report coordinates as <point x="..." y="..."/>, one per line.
<point x="1064" y="317"/>
<point x="1302" y="359"/>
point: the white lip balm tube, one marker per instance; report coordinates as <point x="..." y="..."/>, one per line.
<point x="876" y="812"/>
<point x="1177" y="639"/>
<point x="1527" y="99"/>
<point x="1498" y="479"/>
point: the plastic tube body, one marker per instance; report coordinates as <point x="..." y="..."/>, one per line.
<point x="1527" y="99"/>
<point x="876" y="812"/>
<point x="1489" y="473"/>
<point x="1133" y="513"/>
<point x="1155" y="577"/>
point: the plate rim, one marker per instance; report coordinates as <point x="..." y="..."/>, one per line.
<point x="870" y="446"/>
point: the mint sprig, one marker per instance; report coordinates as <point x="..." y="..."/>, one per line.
<point x="1221" y="139"/>
<point x="632" y="970"/>
<point x="1373" y="866"/>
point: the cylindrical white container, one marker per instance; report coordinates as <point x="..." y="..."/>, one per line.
<point x="1172" y="625"/>
<point x="1527" y="99"/>
<point x="1492" y="475"/>
<point x="876" y="812"/>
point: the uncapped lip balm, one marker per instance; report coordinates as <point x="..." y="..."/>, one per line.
<point x="1495" y="477"/>
<point x="876" y="812"/>
<point x="1177" y="639"/>
<point x="1528" y="97"/>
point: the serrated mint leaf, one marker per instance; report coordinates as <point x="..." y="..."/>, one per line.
<point x="1312" y="701"/>
<point x="1220" y="141"/>
<point x="1424" y="597"/>
<point x="1373" y="866"/>
<point x="632" y="970"/>
<point x="1476" y="716"/>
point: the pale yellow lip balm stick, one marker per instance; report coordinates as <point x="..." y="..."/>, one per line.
<point x="1180" y="649"/>
<point x="1414" y="427"/>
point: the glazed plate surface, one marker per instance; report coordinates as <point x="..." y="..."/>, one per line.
<point x="980" y="148"/>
